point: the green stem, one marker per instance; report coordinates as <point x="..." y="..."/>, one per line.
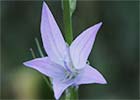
<point x="47" y="80"/>
<point x="72" y="92"/>
<point x="67" y="21"/>
<point x="39" y="48"/>
<point x="32" y="53"/>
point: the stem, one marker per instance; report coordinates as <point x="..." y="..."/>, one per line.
<point x="32" y="53"/>
<point x="47" y="80"/>
<point x="72" y="92"/>
<point x="39" y="48"/>
<point x="67" y="21"/>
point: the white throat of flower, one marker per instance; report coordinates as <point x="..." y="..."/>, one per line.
<point x="70" y="71"/>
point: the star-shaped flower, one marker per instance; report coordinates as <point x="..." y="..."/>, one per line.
<point x="65" y="65"/>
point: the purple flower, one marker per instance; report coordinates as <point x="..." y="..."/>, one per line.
<point x="65" y="65"/>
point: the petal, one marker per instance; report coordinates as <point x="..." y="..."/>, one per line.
<point x="82" y="45"/>
<point x="90" y="75"/>
<point x="53" y="41"/>
<point x="59" y="87"/>
<point x="46" y="67"/>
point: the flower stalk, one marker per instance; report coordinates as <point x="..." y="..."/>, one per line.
<point x="71" y="92"/>
<point x="67" y="18"/>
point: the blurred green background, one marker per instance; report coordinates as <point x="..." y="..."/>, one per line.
<point x="115" y="53"/>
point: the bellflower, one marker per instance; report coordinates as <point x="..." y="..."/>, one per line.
<point x="65" y="65"/>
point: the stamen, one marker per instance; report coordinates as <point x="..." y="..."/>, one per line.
<point x="67" y="68"/>
<point x="69" y="73"/>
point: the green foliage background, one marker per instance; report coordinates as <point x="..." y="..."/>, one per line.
<point x="115" y="53"/>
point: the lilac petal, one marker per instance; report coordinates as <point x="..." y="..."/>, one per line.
<point x="53" y="41"/>
<point x="46" y="67"/>
<point x="60" y="86"/>
<point x="82" y="45"/>
<point x="90" y="75"/>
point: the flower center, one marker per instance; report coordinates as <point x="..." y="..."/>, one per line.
<point x="70" y="72"/>
<point x="67" y="67"/>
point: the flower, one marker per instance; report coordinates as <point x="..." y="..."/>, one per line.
<point x="65" y="65"/>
